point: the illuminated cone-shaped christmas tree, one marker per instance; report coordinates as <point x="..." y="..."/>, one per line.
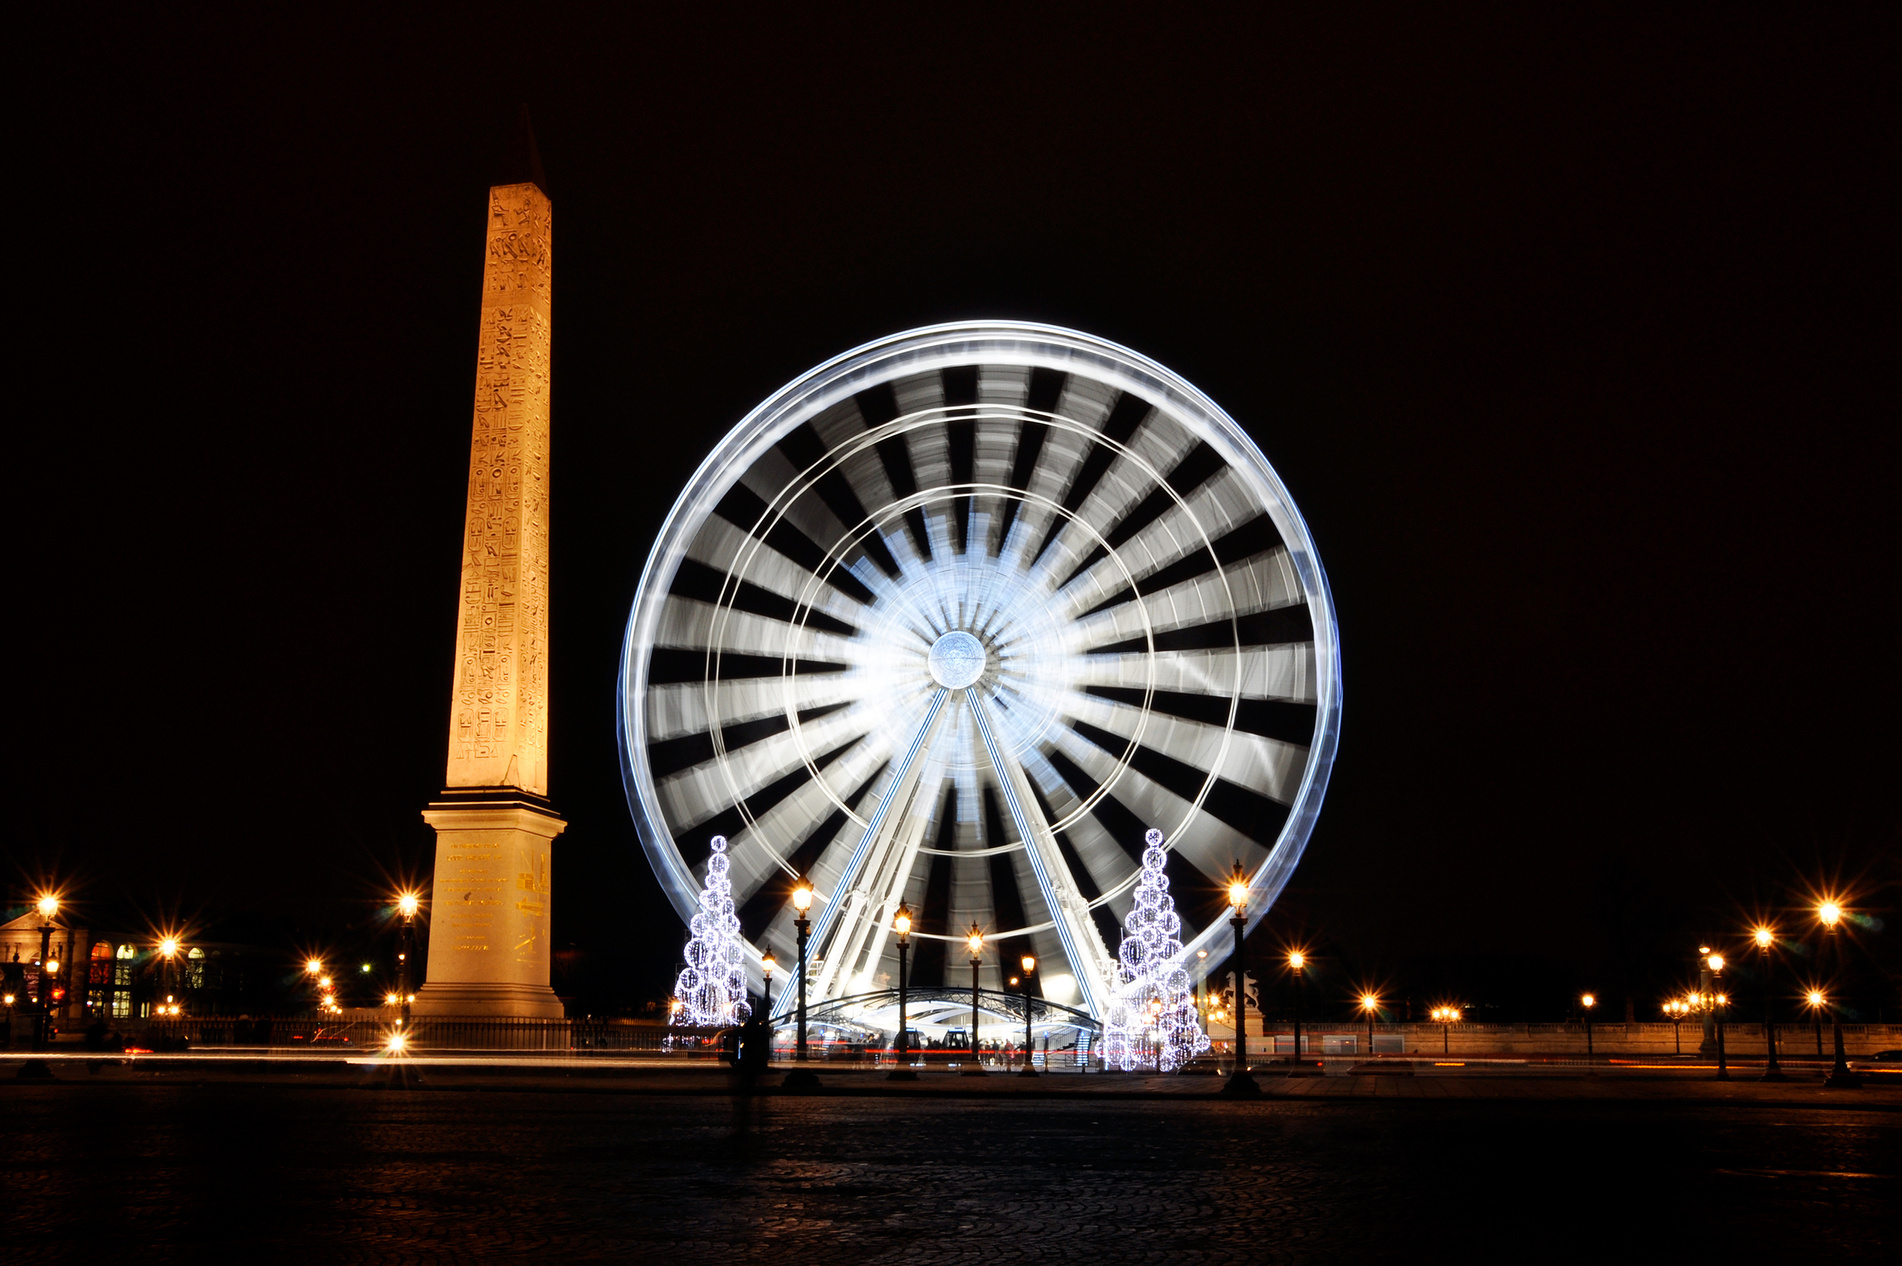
<point x="1152" y="1020"/>
<point x="712" y="987"/>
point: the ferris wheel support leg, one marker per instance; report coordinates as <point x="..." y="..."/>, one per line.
<point x="842" y="891"/>
<point x="1078" y="942"/>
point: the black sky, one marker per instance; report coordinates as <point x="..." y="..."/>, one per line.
<point x="1576" y="344"/>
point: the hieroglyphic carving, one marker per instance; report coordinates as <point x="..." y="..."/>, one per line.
<point x="498" y="719"/>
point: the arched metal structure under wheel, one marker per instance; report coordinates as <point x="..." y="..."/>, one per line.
<point x="950" y="620"/>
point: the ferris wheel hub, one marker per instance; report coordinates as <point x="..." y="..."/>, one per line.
<point x="958" y="660"/>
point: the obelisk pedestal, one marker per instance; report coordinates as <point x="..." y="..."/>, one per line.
<point x="489" y="908"/>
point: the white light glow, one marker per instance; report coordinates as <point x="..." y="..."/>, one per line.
<point x="1152" y="1018"/>
<point x="712" y="986"/>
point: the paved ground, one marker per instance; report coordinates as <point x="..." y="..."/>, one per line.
<point x="189" y="1162"/>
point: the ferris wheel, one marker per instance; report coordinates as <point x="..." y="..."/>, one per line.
<point x="954" y="619"/>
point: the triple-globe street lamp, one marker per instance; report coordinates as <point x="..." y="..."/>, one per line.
<point x="1677" y="1009"/>
<point x="1446" y="1018"/>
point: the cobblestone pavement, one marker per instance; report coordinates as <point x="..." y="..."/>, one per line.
<point x="250" y="1171"/>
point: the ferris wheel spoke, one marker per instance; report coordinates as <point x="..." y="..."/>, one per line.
<point x="746" y="510"/>
<point x="1121" y="817"/>
<point x="674" y="665"/>
<point x="1284" y="672"/>
<point x="1042" y="394"/>
<point x="1281" y="719"/>
<point x="1276" y="627"/>
<point x="697" y="827"/>
<point x="757" y="777"/>
<point x="1124" y="417"/>
<point x="1246" y="760"/>
<point x="806" y="451"/>
<point x="764" y="905"/>
<point x="899" y="788"/>
<point x="669" y="756"/>
<point x="1257" y="536"/>
<point x="1195" y="468"/>
<point x="877" y="405"/>
<point x="1247" y="810"/>
<point x="701" y="583"/>
<point x="694" y="707"/>
<point x="1062" y="901"/>
<point x="727" y="551"/>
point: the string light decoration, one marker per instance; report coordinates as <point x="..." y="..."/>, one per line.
<point x="1152" y="1019"/>
<point x="711" y="989"/>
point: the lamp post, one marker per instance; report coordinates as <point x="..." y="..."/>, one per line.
<point x="802" y="906"/>
<point x="1766" y="939"/>
<point x="1830" y="913"/>
<point x="7" y="1000"/>
<point x="1675" y="1008"/>
<point x="1297" y="962"/>
<point x="901" y="924"/>
<point x="1715" y="963"/>
<point x="1371" y="1005"/>
<point x="1447" y="1017"/>
<point x="1588" y="1001"/>
<point x="1241" y="1083"/>
<point x="48" y="906"/>
<point x="407" y="904"/>
<point x="1816" y="1000"/>
<point x="1030" y="1065"/>
<point x="767" y="962"/>
<point x="168" y="950"/>
<point x="974" y="942"/>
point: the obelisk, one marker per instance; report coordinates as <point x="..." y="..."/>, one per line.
<point x="488" y="941"/>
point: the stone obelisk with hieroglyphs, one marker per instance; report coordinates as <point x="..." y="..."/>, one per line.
<point x="495" y="831"/>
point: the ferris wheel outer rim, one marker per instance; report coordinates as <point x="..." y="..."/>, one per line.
<point x="909" y="351"/>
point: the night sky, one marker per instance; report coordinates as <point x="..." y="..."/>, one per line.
<point x="1576" y="345"/>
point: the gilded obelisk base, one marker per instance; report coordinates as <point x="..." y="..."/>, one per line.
<point x="488" y="934"/>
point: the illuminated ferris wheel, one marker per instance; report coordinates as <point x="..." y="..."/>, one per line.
<point x="952" y="620"/>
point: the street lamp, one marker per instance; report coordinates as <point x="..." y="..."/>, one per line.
<point x="1296" y="962"/>
<point x="802" y="906"/>
<point x="1370" y="1003"/>
<point x="1816" y="1000"/>
<point x="168" y="950"/>
<point x="767" y="962"/>
<point x="1588" y="1001"/>
<point x="1830" y="913"/>
<point x="901" y="926"/>
<point x="1676" y="1009"/>
<point x="974" y="942"/>
<point x="1447" y="1018"/>
<point x="1030" y="1066"/>
<point x="48" y="906"/>
<point x="407" y="904"/>
<point x="1241" y="1083"/>
<point x="1766" y="939"/>
<point x="1715" y="963"/>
